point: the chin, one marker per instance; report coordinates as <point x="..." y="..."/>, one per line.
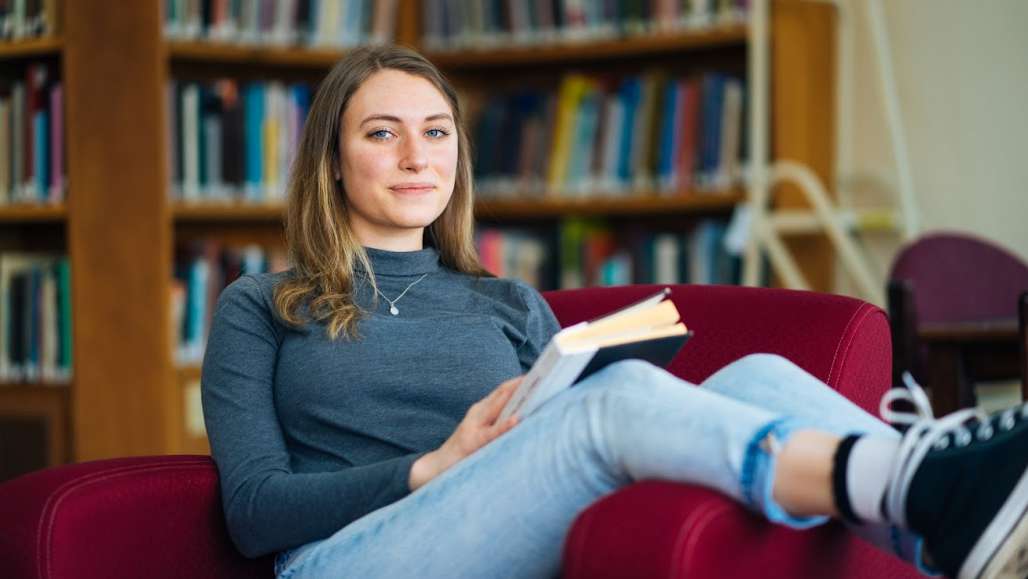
<point x="412" y="221"/>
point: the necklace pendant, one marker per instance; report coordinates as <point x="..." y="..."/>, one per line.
<point x="394" y="311"/>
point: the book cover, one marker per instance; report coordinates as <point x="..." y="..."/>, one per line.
<point x="648" y="330"/>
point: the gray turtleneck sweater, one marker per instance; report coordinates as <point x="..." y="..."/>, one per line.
<point x="310" y="434"/>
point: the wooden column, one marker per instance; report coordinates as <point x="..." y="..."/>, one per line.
<point x="119" y="232"/>
<point x="803" y="115"/>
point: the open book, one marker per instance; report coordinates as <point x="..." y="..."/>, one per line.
<point x="648" y="330"/>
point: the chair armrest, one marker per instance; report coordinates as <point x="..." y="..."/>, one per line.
<point x="155" y="517"/>
<point x="662" y="529"/>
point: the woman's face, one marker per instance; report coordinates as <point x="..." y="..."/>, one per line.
<point x="398" y="159"/>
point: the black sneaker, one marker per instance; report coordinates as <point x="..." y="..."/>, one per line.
<point x="961" y="482"/>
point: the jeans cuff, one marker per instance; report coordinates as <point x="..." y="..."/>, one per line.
<point x="757" y="479"/>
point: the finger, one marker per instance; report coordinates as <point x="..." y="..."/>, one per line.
<point x="503" y="427"/>
<point x="496" y="405"/>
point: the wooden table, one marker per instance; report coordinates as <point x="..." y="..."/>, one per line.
<point x="959" y="354"/>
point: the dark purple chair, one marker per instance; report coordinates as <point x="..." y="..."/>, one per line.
<point x="954" y="305"/>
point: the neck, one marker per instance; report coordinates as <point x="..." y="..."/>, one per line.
<point x="406" y="240"/>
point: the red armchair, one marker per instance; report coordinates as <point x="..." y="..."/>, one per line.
<point x="161" y="517"/>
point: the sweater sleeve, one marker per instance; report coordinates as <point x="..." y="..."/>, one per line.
<point x="540" y="326"/>
<point x="268" y="507"/>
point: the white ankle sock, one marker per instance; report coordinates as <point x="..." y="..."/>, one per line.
<point x="867" y="475"/>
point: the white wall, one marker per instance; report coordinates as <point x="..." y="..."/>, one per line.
<point x="962" y="76"/>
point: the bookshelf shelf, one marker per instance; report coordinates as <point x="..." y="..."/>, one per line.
<point x="241" y="212"/>
<point x="250" y="55"/>
<point x="21" y="390"/>
<point x="33" y="213"/>
<point x="650" y="204"/>
<point x="671" y="42"/>
<point x="36" y="47"/>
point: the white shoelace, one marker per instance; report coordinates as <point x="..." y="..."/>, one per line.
<point x="925" y="433"/>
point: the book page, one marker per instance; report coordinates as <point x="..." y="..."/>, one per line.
<point x="663" y="314"/>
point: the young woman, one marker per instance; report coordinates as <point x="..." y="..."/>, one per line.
<point x="352" y="401"/>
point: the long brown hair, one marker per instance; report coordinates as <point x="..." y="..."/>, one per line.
<point x="323" y="250"/>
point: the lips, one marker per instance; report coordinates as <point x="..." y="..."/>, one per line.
<point x="412" y="188"/>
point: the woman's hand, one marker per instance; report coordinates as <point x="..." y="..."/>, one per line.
<point x="478" y="428"/>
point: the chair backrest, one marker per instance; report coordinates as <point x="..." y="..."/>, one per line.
<point x="955" y="277"/>
<point x="840" y="340"/>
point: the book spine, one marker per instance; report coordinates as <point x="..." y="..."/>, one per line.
<point x="64" y="317"/>
<point x="17" y="139"/>
<point x="5" y="150"/>
<point x="40" y="141"/>
<point x="553" y="377"/>
<point x="57" y="143"/>
<point x="190" y="142"/>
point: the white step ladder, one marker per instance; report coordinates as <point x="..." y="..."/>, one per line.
<point x="837" y="218"/>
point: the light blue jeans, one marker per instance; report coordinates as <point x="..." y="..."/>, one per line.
<point x="504" y="510"/>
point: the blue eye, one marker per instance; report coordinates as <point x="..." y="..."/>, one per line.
<point x="438" y="133"/>
<point x="380" y="134"/>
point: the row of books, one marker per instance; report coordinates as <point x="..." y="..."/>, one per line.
<point x="35" y="318"/>
<point x="311" y="23"/>
<point x="594" y="253"/>
<point x="610" y="136"/>
<point x="21" y="19"/>
<point x="202" y="270"/>
<point x="233" y="141"/>
<point x="513" y="253"/>
<point x="32" y="137"/>
<point x="471" y="24"/>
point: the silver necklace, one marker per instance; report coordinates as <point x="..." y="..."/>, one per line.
<point x="392" y="303"/>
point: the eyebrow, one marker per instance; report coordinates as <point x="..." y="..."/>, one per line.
<point x="394" y="119"/>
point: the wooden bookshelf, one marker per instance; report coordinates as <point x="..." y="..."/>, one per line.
<point x="35" y="416"/>
<point x="32" y="48"/>
<point x="12" y="214"/>
<point x="593" y="50"/>
<point x="128" y="396"/>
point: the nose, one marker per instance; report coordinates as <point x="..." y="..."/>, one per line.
<point x="413" y="157"/>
